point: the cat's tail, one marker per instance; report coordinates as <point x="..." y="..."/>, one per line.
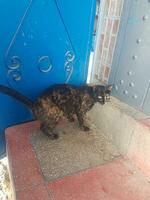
<point x="17" y="95"/>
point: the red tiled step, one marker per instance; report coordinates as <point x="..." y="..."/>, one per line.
<point x="118" y="180"/>
<point x="146" y="122"/>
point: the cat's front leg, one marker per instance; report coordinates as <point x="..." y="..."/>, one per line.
<point x="82" y="125"/>
<point x="48" y="130"/>
<point x="70" y="117"/>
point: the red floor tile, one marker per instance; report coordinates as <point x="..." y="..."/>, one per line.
<point x="36" y="193"/>
<point x="114" y="181"/>
<point x="25" y="172"/>
<point x="118" y="180"/>
<point x="146" y="122"/>
<point x="22" y="160"/>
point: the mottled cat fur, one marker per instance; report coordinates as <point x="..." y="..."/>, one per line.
<point x="62" y="100"/>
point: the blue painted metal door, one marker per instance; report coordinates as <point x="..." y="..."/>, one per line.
<point x="131" y="67"/>
<point x="42" y="42"/>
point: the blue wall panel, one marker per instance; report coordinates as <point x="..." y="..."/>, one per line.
<point x="42" y="42"/>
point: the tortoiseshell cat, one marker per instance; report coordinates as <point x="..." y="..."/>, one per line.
<point x="62" y="100"/>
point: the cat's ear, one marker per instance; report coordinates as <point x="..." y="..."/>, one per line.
<point x="109" y="87"/>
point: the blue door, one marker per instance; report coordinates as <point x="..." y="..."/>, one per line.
<point x="42" y="42"/>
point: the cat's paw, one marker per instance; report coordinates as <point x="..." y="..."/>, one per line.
<point x="71" y="119"/>
<point x="54" y="136"/>
<point x="85" y="128"/>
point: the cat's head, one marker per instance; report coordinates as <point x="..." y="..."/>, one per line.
<point x="102" y="93"/>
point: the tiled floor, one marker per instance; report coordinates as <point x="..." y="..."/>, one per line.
<point x="117" y="180"/>
<point x="146" y="122"/>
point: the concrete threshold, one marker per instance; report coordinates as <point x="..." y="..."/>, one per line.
<point x="127" y="128"/>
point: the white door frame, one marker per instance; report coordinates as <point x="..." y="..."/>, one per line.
<point x="96" y="73"/>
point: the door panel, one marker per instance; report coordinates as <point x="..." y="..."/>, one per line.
<point x="132" y="74"/>
<point x="42" y="42"/>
